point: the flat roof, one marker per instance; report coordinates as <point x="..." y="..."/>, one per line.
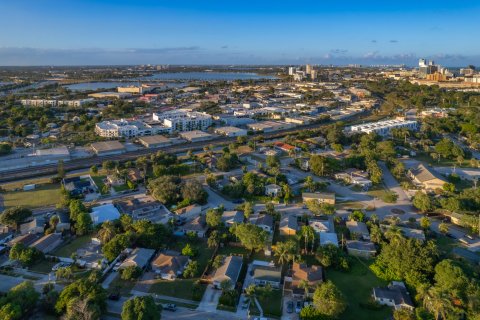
<point x="229" y="129"/>
<point x="107" y="146"/>
<point x="195" y="134"/>
<point x="154" y="139"/>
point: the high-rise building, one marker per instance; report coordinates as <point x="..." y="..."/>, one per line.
<point x="291" y="71"/>
<point x="313" y="74"/>
<point x="422" y="63"/>
<point x="308" y="69"/>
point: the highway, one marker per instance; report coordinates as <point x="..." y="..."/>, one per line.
<point x="42" y="170"/>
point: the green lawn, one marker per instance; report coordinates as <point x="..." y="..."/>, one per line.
<point x="72" y="246"/>
<point x="44" y="266"/>
<point x="42" y="196"/>
<point x="180" y="288"/>
<point x="99" y="182"/>
<point x="356" y="285"/>
<point x="121" y="188"/>
<point x="227" y="251"/>
<point x="272" y="305"/>
<point x="204" y="253"/>
<point x="121" y="286"/>
<point x="445" y="244"/>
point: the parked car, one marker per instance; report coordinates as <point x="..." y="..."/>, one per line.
<point x="114" y="296"/>
<point x="290" y="306"/>
<point x="61" y="265"/>
<point x="170" y="307"/>
<point x="298" y="306"/>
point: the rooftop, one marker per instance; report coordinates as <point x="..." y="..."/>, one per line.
<point x="107" y="146"/>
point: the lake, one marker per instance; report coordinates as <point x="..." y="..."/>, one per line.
<point x="226" y="76"/>
<point x="107" y="85"/>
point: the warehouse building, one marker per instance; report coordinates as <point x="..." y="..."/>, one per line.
<point x="107" y="148"/>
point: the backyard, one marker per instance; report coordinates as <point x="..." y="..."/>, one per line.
<point x="72" y="246"/>
<point x="42" y="196"/>
<point x="271" y="303"/>
<point x="363" y="281"/>
<point x="180" y="288"/>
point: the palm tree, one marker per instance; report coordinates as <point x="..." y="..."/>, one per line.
<point x="283" y="252"/>
<point x="437" y="303"/>
<point x="308" y="234"/>
<point x="107" y="232"/>
<point x="54" y="220"/>
<point x="304" y="285"/>
<point x="309" y="184"/>
<point x="394" y="234"/>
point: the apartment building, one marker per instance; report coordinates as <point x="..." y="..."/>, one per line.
<point x="54" y="102"/>
<point x="126" y="128"/>
<point x="383" y="128"/>
<point x="184" y="120"/>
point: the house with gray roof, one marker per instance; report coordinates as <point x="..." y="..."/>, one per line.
<point x="358" y="229"/>
<point x="267" y="274"/>
<point x="139" y="257"/>
<point x="426" y="177"/>
<point x="264" y="221"/>
<point x="288" y="225"/>
<point x="361" y="249"/>
<point x="229" y="270"/>
<point x="395" y="295"/>
<point x="229" y="218"/>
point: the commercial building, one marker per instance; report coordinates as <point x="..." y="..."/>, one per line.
<point x="269" y="126"/>
<point x="155" y="141"/>
<point x="54" y="102"/>
<point x="231" y="131"/>
<point x="110" y="95"/>
<point x="196" y="135"/>
<point x="181" y="120"/>
<point x="107" y="147"/>
<point x="383" y="128"/>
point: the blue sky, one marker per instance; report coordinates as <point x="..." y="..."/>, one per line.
<point x="62" y="32"/>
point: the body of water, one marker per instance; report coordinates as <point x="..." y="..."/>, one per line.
<point x="226" y="76"/>
<point x="172" y="76"/>
<point x="86" y="86"/>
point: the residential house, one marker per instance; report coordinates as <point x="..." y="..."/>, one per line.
<point x="356" y="177"/>
<point x="135" y="175"/>
<point x="48" y="243"/>
<point x="191" y="210"/>
<point x="144" y="207"/>
<point x="139" y="257"/>
<point x="361" y="249"/>
<point x="358" y="230"/>
<point x="229" y="270"/>
<point x="36" y="225"/>
<point x="288" y="225"/>
<point x="300" y="274"/>
<point x="321" y="197"/>
<point x="115" y="180"/>
<point x="264" y="274"/>
<point x="63" y="222"/>
<point x="395" y="295"/>
<point x="106" y="212"/>
<point x="273" y="190"/>
<point x="197" y="225"/>
<point x="426" y="177"/>
<point x="229" y="218"/>
<point x="25" y="239"/>
<point x="320" y="225"/>
<point x="169" y="265"/>
<point x="264" y="221"/>
<point x="328" y="238"/>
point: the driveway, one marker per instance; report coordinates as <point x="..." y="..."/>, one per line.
<point x="145" y="282"/>
<point x="210" y="299"/>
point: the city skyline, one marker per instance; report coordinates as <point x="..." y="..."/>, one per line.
<point x="126" y="32"/>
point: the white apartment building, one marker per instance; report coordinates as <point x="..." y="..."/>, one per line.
<point x="383" y="128"/>
<point x="54" y="102"/>
<point x="183" y="120"/>
<point x="127" y="129"/>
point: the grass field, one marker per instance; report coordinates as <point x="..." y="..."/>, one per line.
<point x="123" y="287"/>
<point x="43" y="266"/>
<point x="356" y="285"/>
<point x="99" y="182"/>
<point x="123" y="187"/>
<point x="180" y="288"/>
<point x="42" y="196"/>
<point x="72" y="247"/>
<point x="272" y="305"/>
